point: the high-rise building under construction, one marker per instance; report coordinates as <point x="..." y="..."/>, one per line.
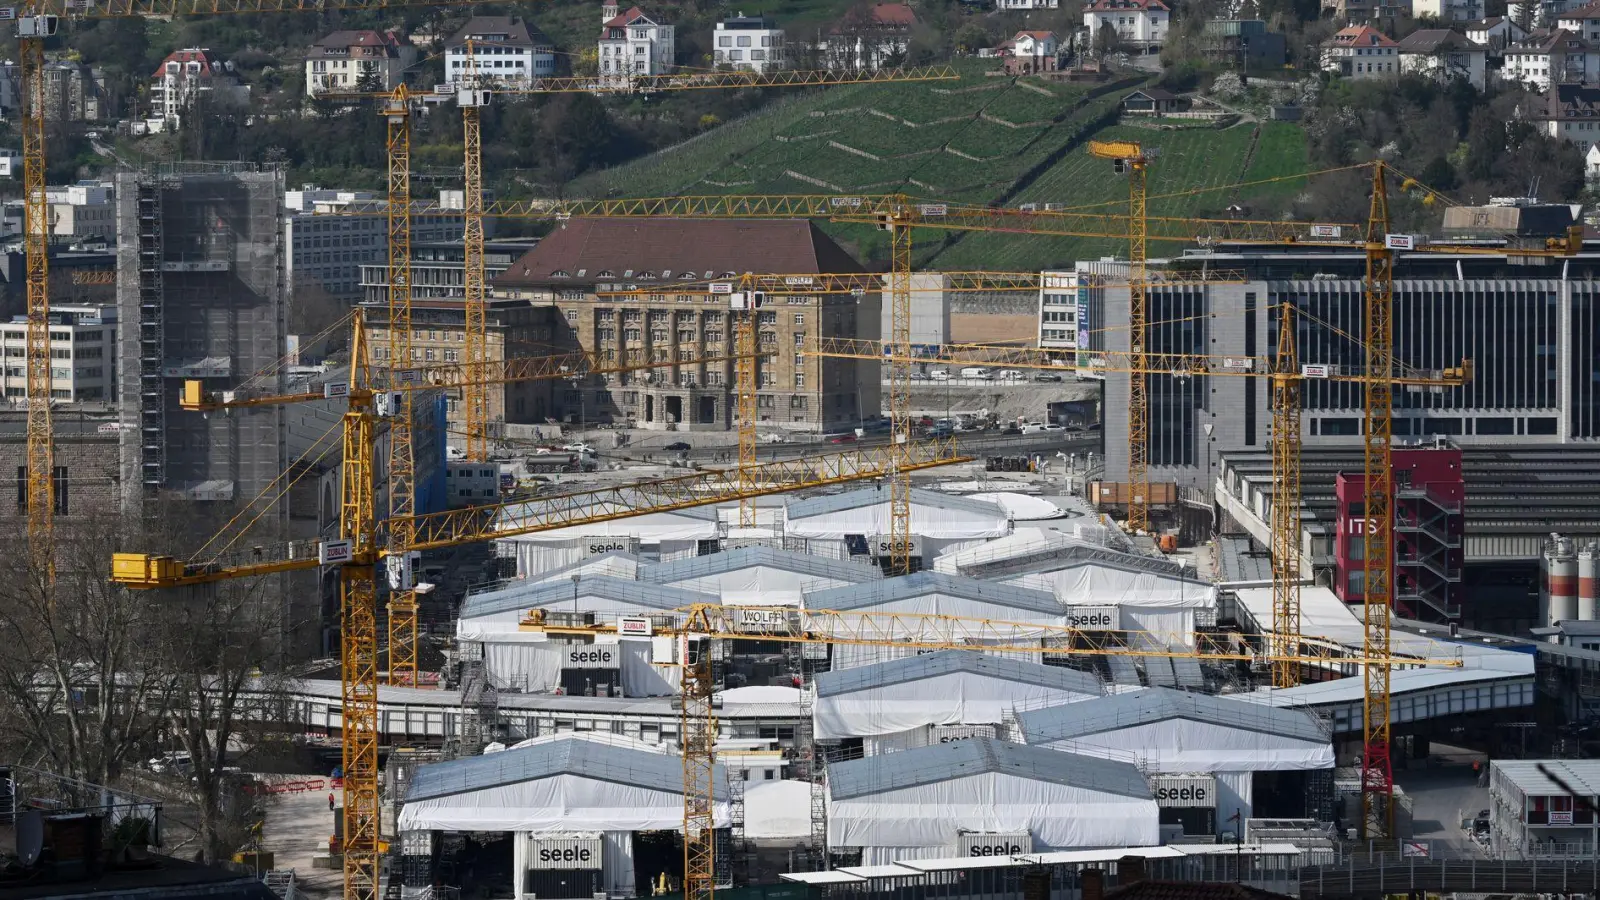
<point x="200" y="295"/>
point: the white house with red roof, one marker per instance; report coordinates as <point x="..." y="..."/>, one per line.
<point x="634" y="43"/>
<point x="185" y="77"/>
<point x="1361" y="51"/>
<point x="869" y="37"/>
<point x="1030" y="52"/>
<point x="344" y="59"/>
<point x="1140" y="24"/>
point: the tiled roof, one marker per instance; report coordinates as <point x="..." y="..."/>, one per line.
<point x="981" y="756"/>
<point x="893" y="14"/>
<point x="1114" y="5"/>
<point x="210" y="62"/>
<point x="340" y="43"/>
<point x="1549" y="42"/>
<point x="633" y="15"/>
<point x="1566" y="102"/>
<point x="1361" y="36"/>
<point x="583" y="251"/>
<point x="1432" y="40"/>
<point x="1587" y="11"/>
<point x="517" y="33"/>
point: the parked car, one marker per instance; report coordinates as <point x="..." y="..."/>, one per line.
<point x="1054" y="427"/>
<point x="940" y="375"/>
<point x="577" y="447"/>
<point x="1047" y="377"/>
<point x="940" y="431"/>
<point x="679" y="447"/>
<point x="1010" y="430"/>
<point x="773" y="437"/>
<point x="842" y="439"/>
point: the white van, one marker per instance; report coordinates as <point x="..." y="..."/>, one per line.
<point x="940" y="375"/>
<point x="978" y="372"/>
<point x="1033" y="428"/>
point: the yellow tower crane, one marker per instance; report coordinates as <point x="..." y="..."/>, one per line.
<point x="396" y="111"/>
<point x="358" y="549"/>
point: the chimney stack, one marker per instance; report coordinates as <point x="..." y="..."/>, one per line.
<point x="1130" y="870"/>
<point x="1093" y="884"/>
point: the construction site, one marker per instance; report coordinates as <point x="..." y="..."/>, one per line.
<point x="651" y="565"/>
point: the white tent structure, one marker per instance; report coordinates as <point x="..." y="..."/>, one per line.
<point x="1021" y="507"/>
<point x="937" y="697"/>
<point x="915" y="804"/>
<point x="942" y="521"/>
<point x="663" y="535"/>
<point x="935" y="593"/>
<point x="530" y="661"/>
<point x="615" y="563"/>
<point x="1151" y="594"/>
<point x="1177" y="732"/>
<point x="557" y="788"/>
<point x="759" y="576"/>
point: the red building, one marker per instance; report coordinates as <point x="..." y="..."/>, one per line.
<point x="1429" y="498"/>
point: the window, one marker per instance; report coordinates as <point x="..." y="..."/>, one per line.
<point x="799" y="318"/>
<point x="713" y="337"/>
<point x="722" y="41"/>
<point x="797" y="403"/>
<point x="769" y="337"/>
<point x="572" y="315"/>
<point x="659" y="337"/>
<point x="767" y="318"/>
<point x="799" y="338"/>
<point x="713" y="378"/>
<point x="799" y="379"/>
<point x="631" y="334"/>
<point x="744" y="41"/>
<point x="685" y="335"/>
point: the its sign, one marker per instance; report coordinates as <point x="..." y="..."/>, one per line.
<point x="847" y="202"/>
<point x="332" y="553"/>
<point x="761" y="620"/>
<point x="599" y="546"/>
<point x="634" y="626"/>
<point x="1184" y="791"/>
<point x="721" y="287"/>
<point x="933" y="209"/>
<point x="1402" y="241"/>
<point x="1361" y="527"/>
<point x="1094" y="618"/>
<point x="1316" y="371"/>
<point x="1012" y="843"/>
<point x="880" y="545"/>
<point x="592" y="656"/>
<point x="564" y="853"/>
<point x="1239" y="363"/>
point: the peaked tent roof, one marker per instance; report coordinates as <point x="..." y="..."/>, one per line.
<point x="869" y="496"/>
<point x="1116" y="712"/>
<point x="750" y="557"/>
<point x="612" y="563"/>
<point x="981" y="756"/>
<point x="554" y="593"/>
<point x="573" y="756"/>
<point x="945" y="662"/>
<point x="920" y="584"/>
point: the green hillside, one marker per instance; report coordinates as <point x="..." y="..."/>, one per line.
<point x="983" y="139"/>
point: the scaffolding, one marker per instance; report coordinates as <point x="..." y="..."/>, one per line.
<point x="152" y="418"/>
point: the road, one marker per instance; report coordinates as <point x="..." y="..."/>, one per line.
<point x="1441" y="795"/>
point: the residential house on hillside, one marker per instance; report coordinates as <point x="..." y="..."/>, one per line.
<point x="1140" y="24"/>
<point x="505" y="50"/>
<point x="1232" y="41"/>
<point x="753" y="43"/>
<point x="1361" y="51"/>
<point x="340" y="61"/>
<point x="1444" y="55"/>
<point x="1356" y="12"/>
<point x="1495" y="33"/>
<point x="1448" y="11"/>
<point x="1583" y="21"/>
<point x="1570" y="112"/>
<point x="193" y="77"/>
<point x="1153" y="102"/>
<point x="1546" y="58"/>
<point x="633" y="43"/>
<point x="868" y="38"/>
<point x="1030" y="52"/>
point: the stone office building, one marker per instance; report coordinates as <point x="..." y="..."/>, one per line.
<point x="580" y="266"/>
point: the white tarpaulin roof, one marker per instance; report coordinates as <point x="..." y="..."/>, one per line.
<point x="1164" y="730"/>
<point x="758" y="576"/>
<point x="922" y="797"/>
<point x="950" y="595"/>
<point x="951" y="687"/>
<point x="499" y="610"/>
<point x="565" y="785"/>
<point x="866" y="511"/>
<point x="777" y="809"/>
<point x="1021" y="507"/>
<point x="617" y="564"/>
<point x="651" y="528"/>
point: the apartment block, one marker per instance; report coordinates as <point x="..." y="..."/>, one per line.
<point x="83" y="355"/>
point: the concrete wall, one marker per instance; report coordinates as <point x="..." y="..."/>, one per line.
<point x="89" y="456"/>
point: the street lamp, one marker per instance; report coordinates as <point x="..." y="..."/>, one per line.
<point x="1209" y="427"/>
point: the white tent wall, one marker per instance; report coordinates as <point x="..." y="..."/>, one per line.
<point x="533" y="667"/>
<point x="668" y="550"/>
<point x="556" y="803"/>
<point x="640" y="678"/>
<point x="1089" y="584"/>
<point x="1058" y="816"/>
<point x="536" y="557"/>
<point x="1186" y="746"/>
<point x="1235" y="794"/>
<point x="616" y="863"/>
<point x="849" y="656"/>
<point x="958" y="698"/>
<point x="921" y="737"/>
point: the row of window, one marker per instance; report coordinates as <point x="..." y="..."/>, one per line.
<point x="631" y="398"/>
<point x="427" y="354"/>
<point x="742" y="40"/>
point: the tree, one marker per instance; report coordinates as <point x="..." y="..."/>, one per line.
<point x="80" y="681"/>
<point x="1106" y="40"/>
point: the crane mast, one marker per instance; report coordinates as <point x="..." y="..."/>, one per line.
<point x="36" y="225"/>
<point x="474" y="398"/>
<point x="1377" y="774"/>
<point x="402" y="460"/>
